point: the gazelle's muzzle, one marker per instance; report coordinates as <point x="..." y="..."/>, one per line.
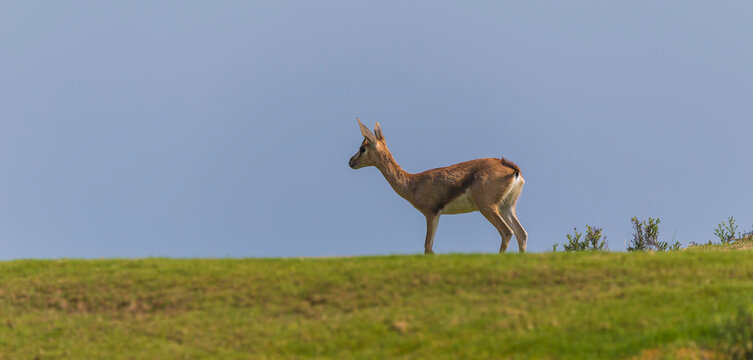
<point x="352" y="162"/>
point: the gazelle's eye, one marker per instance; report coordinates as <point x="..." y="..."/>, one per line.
<point x="363" y="149"/>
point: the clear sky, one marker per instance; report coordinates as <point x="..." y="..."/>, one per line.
<point x="219" y="128"/>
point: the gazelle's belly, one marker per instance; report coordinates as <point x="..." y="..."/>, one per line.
<point x="461" y="204"/>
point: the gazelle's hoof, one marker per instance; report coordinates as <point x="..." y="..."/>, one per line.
<point x="428" y="252"/>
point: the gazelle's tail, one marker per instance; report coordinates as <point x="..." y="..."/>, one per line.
<point x="511" y="165"/>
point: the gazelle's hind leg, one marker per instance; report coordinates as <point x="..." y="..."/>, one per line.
<point x="491" y="213"/>
<point x="511" y="218"/>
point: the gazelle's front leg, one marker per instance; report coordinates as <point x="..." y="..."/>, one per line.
<point x="431" y="228"/>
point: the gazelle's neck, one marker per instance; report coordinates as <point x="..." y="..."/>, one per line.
<point x="398" y="178"/>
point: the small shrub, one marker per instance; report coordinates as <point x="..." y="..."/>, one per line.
<point x="726" y="231"/>
<point x="646" y="236"/>
<point x="745" y="235"/>
<point x="573" y="241"/>
<point x="593" y="241"/>
<point x="736" y="335"/>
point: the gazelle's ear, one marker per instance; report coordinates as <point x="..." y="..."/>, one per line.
<point x="367" y="133"/>
<point x="378" y="132"/>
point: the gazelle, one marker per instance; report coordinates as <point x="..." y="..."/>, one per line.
<point x="491" y="186"/>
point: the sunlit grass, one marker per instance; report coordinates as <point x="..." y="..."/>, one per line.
<point x="562" y="305"/>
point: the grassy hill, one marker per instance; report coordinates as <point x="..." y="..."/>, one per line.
<point x="552" y="305"/>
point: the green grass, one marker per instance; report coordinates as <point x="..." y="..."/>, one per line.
<point x="552" y="305"/>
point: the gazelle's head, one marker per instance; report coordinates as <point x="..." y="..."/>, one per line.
<point x="371" y="149"/>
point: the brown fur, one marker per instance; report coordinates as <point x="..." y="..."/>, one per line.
<point x="435" y="188"/>
<point x="492" y="185"/>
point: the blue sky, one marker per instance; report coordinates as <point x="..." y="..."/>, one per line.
<point x="213" y="129"/>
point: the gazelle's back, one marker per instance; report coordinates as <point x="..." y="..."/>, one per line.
<point x="449" y="189"/>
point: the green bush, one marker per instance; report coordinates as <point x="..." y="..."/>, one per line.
<point x="726" y="232"/>
<point x="646" y="236"/>
<point x="745" y="235"/>
<point x="593" y="241"/>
